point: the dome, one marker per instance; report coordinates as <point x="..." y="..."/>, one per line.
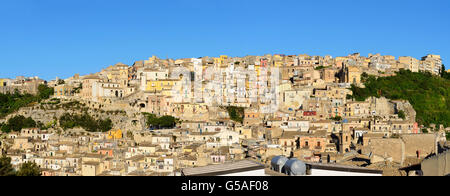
<point x="278" y="163"/>
<point x="295" y="167"/>
<point x="279" y="160"/>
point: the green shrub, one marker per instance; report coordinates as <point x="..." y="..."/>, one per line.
<point x="85" y="121"/>
<point x="160" y="122"/>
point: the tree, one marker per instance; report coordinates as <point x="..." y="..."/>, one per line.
<point x="364" y="77"/>
<point x="5" y="128"/>
<point x="319" y="67"/>
<point x="152" y="120"/>
<point x="401" y="114"/>
<point x="236" y="113"/>
<point x="44" y="92"/>
<point x="85" y="121"/>
<point x="162" y="122"/>
<point x="11" y="102"/>
<point x="349" y="97"/>
<point x="337" y="118"/>
<point x="444" y="73"/>
<point x="29" y="169"/>
<point x="19" y="122"/>
<point x="130" y="135"/>
<point x="66" y="121"/>
<point x="6" y="169"/>
<point x="105" y="125"/>
<point x="167" y="122"/>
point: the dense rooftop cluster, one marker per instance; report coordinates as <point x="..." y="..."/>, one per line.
<point x="163" y="116"/>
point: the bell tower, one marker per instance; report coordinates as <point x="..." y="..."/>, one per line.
<point x="345" y="140"/>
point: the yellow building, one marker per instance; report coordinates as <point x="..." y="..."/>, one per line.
<point x="278" y="63"/>
<point x="431" y="63"/>
<point x="410" y="62"/>
<point x="342" y="58"/>
<point x="115" y="134"/>
<point x="221" y="61"/>
<point x="244" y="132"/>
<point x="2" y="82"/>
<point x="160" y="85"/>
<point x="187" y="150"/>
<point x="63" y="91"/>
<point x="152" y="60"/>
<point x="123" y="74"/>
<point x="91" y="169"/>
<point x="278" y="60"/>
<point x="353" y="75"/>
<point x="258" y="70"/>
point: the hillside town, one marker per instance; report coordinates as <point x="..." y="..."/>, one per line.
<point x="174" y="117"/>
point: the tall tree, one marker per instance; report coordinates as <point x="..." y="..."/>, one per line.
<point x="6" y="169"/>
<point x="29" y="169"/>
<point x="444" y="73"/>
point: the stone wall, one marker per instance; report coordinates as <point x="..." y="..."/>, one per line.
<point x="142" y="138"/>
<point x="382" y="106"/>
<point x="271" y="152"/>
<point x="407" y="108"/>
<point x="437" y="165"/>
<point x="408" y="145"/>
<point x="424" y="144"/>
<point x="388" y="148"/>
<point x="31" y="89"/>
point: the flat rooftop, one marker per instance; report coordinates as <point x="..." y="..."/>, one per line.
<point x="343" y="168"/>
<point x="223" y="169"/>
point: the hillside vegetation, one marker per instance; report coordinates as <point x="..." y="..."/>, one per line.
<point x="428" y="94"/>
<point x="10" y="103"/>
<point x="85" y="121"/>
<point x="236" y="113"/>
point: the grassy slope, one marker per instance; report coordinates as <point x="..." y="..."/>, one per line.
<point x="429" y="95"/>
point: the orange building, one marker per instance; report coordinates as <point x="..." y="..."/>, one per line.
<point x="106" y="152"/>
<point x="113" y="135"/>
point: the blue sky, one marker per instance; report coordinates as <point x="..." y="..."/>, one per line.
<point x="50" y="38"/>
